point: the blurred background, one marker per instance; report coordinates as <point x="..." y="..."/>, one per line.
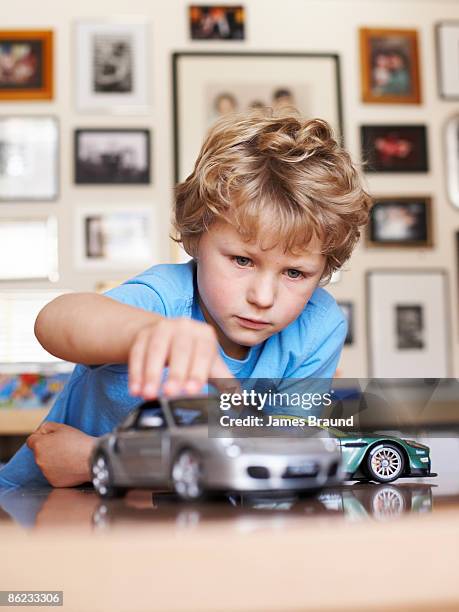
<point x="103" y="106"/>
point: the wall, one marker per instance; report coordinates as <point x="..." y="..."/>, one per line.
<point x="292" y="25"/>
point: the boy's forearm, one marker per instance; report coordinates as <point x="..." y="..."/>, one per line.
<point x="90" y="328"/>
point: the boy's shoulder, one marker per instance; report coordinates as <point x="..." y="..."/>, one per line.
<point x="320" y="317"/>
<point x="165" y="288"/>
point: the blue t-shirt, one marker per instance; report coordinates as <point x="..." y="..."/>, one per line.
<point x="96" y="399"/>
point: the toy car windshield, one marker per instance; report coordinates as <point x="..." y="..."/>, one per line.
<point x="192" y="411"/>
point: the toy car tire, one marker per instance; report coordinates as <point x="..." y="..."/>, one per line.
<point x="385" y="462"/>
<point x="102" y="478"/>
<point x="187" y="475"/>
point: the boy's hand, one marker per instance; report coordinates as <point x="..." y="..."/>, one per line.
<point x="190" y="350"/>
<point x="62" y="453"/>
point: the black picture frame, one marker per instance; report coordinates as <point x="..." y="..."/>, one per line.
<point x="348" y="311"/>
<point x="180" y="58"/>
<point x="394" y="148"/>
<point x="204" y="24"/>
<point x="407" y="220"/>
<point x="109" y="171"/>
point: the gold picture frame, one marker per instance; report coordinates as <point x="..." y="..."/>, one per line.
<point x="26" y="65"/>
<point x="390" y="66"/>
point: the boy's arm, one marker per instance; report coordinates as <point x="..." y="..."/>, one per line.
<point x="90" y="328"/>
<point x="93" y="329"/>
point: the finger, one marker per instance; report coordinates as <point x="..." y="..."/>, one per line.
<point x="31" y="440"/>
<point x="48" y="427"/>
<point x="181" y="351"/>
<point x="155" y="361"/>
<point x="136" y="362"/>
<point x="200" y="366"/>
<point x="222" y="378"/>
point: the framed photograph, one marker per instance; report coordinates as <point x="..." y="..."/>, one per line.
<point x="348" y="311"/>
<point x="408" y="324"/>
<point x="112" y="156"/>
<point x="452" y="159"/>
<point x="114" y="237"/>
<point x="208" y="85"/>
<point x="447" y="34"/>
<point x="400" y="222"/>
<point x="216" y="22"/>
<point x="112" y="67"/>
<point x="28" y="249"/>
<point x="394" y="148"/>
<point x="29" y="154"/>
<point x="390" y="66"/>
<point x="26" y="65"/>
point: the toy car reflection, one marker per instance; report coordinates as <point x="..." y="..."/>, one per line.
<point x="383" y="458"/>
<point x="165" y="442"/>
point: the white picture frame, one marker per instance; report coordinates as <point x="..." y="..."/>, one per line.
<point x="28" y="249"/>
<point x="29" y="158"/>
<point x="452" y="159"/>
<point x="408" y="324"/>
<point x="112" y="66"/>
<point x="116" y="237"/>
<point x="447" y="35"/>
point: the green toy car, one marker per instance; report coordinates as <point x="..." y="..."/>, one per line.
<point x="383" y="458"/>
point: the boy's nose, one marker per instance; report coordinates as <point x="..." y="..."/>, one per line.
<point x="262" y="293"/>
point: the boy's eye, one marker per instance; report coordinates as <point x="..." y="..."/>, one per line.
<point x="292" y="273"/>
<point x="242" y="261"/>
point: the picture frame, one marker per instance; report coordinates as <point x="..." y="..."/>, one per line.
<point x="112" y="66"/>
<point x="26" y="65"/>
<point x="216" y="22"/>
<point x="29" y="158"/>
<point x="408" y="323"/>
<point x="112" y="156"/>
<point x="401" y="222"/>
<point x="394" y="148"/>
<point x="310" y="81"/>
<point x="389" y="66"/>
<point x="117" y="237"/>
<point x="447" y="43"/>
<point x="39" y="234"/>
<point x="348" y="311"/>
<point x="452" y="159"/>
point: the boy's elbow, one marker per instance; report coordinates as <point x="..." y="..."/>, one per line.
<point x="40" y="326"/>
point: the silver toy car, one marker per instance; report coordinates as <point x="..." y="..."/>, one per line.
<point x="166" y="442"/>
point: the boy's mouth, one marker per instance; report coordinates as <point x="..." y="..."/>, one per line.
<point x="252" y="323"/>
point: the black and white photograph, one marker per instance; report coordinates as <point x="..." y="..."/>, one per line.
<point x="112" y="63"/>
<point x="112" y="156"/>
<point x="348" y="311"/>
<point x="409" y="326"/>
<point x="29" y="154"/>
<point x="408" y="323"/>
<point x="208" y="85"/>
<point x="114" y="236"/>
<point x="400" y="222"/>
<point x="112" y="66"/>
<point x="226" y="98"/>
<point x="217" y="22"/>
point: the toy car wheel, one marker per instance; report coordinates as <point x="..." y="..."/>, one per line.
<point x="102" y="478"/>
<point x="385" y="463"/>
<point x="187" y="475"/>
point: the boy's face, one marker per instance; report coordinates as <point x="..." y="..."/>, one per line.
<point x="248" y="294"/>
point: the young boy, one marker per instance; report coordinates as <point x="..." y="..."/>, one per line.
<point x="272" y="208"/>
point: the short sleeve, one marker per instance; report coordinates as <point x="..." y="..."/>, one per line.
<point x="138" y="294"/>
<point x="327" y="347"/>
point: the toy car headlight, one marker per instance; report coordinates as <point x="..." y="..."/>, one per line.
<point x="415" y="444"/>
<point x="231" y="449"/>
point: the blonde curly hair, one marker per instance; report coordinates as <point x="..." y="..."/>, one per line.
<point x="278" y="177"/>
